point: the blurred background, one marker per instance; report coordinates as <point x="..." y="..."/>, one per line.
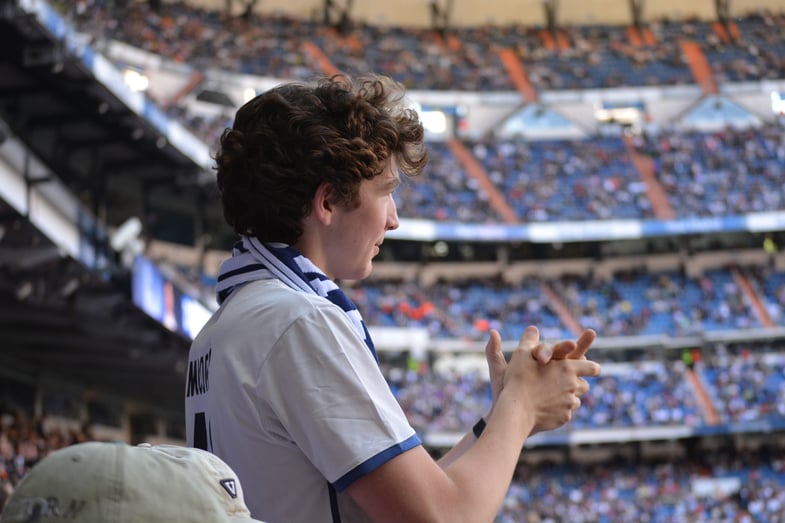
<point x="616" y="165"/>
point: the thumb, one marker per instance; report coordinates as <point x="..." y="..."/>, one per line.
<point x="497" y="363"/>
<point x="493" y="351"/>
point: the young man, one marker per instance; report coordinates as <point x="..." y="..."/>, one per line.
<point x="283" y="381"/>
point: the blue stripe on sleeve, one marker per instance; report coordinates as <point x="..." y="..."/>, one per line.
<point x="375" y="462"/>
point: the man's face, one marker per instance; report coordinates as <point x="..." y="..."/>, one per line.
<point x="356" y="234"/>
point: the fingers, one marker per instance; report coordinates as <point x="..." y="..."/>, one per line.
<point x="559" y="376"/>
<point x="530" y="338"/>
<point x="568" y="349"/>
<point x="582" y="345"/>
<point x="545" y="352"/>
<point x="542" y="352"/>
<point x="582" y="388"/>
<point x="587" y="368"/>
<point x="563" y="350"/>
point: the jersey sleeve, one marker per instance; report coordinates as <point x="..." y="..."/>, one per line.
<point x="329" y="394"/>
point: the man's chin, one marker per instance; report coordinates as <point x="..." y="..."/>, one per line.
<point x="367" y="271"/>
<point x="359" y="274"/>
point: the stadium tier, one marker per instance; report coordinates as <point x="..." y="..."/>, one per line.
<point x="628" y="178"/>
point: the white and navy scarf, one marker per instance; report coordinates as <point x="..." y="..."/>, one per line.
<point x="253" y="260"/>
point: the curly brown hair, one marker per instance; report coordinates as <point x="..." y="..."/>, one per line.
<point x="285" y="142"/>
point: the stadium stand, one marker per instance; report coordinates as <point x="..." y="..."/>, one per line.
<point x="545" y="203"/>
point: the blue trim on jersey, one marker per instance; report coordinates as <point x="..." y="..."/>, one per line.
<point x="375" y="462"/>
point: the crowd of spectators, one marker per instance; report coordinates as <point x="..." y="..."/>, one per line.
<point x="24" y="441"/>
<point x="602" y="56"/>
<point x="465" y="58"/>
<point x="743" y="49"/>
<point x="584" y="179"/>
<point x="638" y="302"/>
<point x="640" y="394"/>
<point x="445" y="192"/>
<point x="462" y="310"/>
<point x="745" y="384"/>
<point x="634" y="302"/>
<point x="656" y="491"/>
<point x="704" y="174"/>
<point x="199" y="37"/>
<point x="614" y="491"/>
<point x="723" y="173"/>
<point x="727" y="172"/>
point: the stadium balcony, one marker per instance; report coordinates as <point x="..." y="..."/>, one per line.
<point x="567" y="301"/>
<point x="688" y="304"/>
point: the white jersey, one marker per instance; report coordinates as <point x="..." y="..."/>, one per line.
<point x="281" y="387"/>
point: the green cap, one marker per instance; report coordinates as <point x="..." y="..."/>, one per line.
<point x="101" y="482"/>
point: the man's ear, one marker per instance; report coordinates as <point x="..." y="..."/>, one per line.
<point x="322" y="206"/>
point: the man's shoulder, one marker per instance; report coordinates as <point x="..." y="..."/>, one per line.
<point x="274" y="298"/>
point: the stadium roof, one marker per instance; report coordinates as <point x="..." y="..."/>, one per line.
<point x="55" y="315"/>
<point x="63" y="324"/>
<point x="110" y="153"/>
<point x="471" y="12"/>
<point x="58" y="317"/>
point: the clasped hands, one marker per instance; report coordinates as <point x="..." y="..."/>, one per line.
<point x="548" y="377"/>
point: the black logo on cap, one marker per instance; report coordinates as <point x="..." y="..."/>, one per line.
<point x="230" y="486"/>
